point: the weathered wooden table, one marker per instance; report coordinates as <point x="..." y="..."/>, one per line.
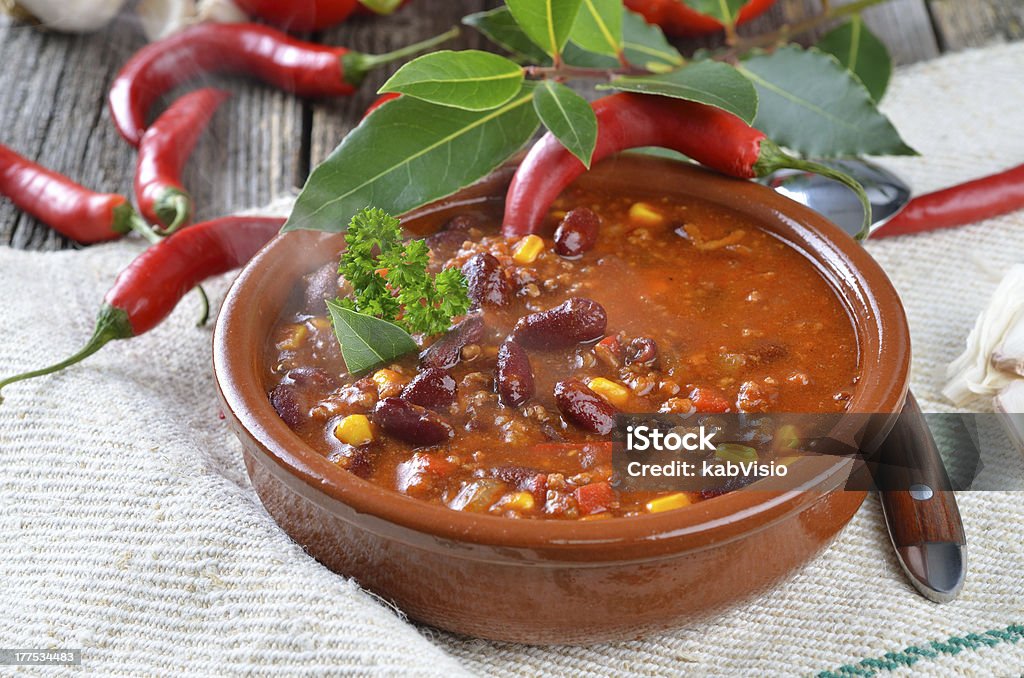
<point x="53" y="98"/>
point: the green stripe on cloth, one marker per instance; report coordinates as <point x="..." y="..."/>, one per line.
<point x="954" y="645"/>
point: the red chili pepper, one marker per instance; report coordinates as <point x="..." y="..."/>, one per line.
<point x="146" y="292"/>
<point x="711" y="136"/>
<point x="300" y="15"/>
<point x="304" y="68"/>
<point x="380" y="101"/>
<point x="958" y="205"/>
<point x="66" y="207"/>
<point x="163" y="152"/>
<point x="678" y="19"/>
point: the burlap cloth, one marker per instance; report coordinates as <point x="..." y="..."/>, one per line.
<point x="128" y="527"/>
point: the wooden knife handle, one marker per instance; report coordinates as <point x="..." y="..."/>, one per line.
<point x="915" y="491"/>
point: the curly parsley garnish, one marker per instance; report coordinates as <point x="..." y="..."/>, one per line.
<point x="393" y="295"/>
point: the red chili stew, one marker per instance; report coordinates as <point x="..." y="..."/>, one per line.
<point x="634" y="306"/>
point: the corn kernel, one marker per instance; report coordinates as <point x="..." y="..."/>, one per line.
<point x="389" y="383"/>
<point x="518" y="501"/>
<point x="355" y="430"/>
<point x="642" y="214"/>
<point x="614" y="393"/>
<point x="320" y="323"/>
<point x="292" y="338"/>
<point x="528" y="249"/>
<point x="669" y="502"/>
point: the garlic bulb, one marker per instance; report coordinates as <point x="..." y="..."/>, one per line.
<point x="1010" y="406"/>
<point x="72" y="16"/>
<point x="1009" y="355"/>
<point x="161" y="18"/>
<point x="997" y="332"/>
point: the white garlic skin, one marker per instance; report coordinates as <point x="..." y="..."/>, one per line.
<point x="73" y="16"/>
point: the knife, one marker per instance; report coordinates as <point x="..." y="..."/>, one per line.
<point x="920" y="509"/>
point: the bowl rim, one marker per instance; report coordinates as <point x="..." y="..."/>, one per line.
<point x="872" y="300"/>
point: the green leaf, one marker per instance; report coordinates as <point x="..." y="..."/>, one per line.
<point x="381" y="6"/>
<point x="708" y="82"/>
<point x="723" y="10"/>
<point x="500" y="27"/>
<point x="811" y="104"/>
<point x="569" y="117"/>
<point x="410" y="153"/>
<point x="574" y="55"/>
<point x="546" y="22"/>
<point x="471" y="79"/>
<point x="598" y="27"/>
<point x="862" y="53"/>
<point x="367" y="342"/>
<point x="646" y="45"/>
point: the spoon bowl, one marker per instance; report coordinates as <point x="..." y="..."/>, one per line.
<point x="887" y="193"/>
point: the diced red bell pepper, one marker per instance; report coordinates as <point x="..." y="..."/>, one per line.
<point x="706" y="400"/>
<point x="594" y="498"/>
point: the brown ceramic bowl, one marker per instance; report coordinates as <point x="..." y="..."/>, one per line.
<point x="556" y="581"/>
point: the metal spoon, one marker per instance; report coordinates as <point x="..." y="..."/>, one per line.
<point x="887" y="193"/>
<point x="920" y="510"/>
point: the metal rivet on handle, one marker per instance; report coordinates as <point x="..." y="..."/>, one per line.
<point x="920" y="492"/>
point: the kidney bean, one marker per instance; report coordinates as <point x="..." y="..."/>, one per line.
<point x="446" y="352"/>
<point x="642" y="350"/>
<point x="584" y="408"/>
<point x="286" y="401"/>
<point x="488" y="284"/>
<point x="432" y="387"/>
<point x="577" y="233"/>
<point x="411" y="423"/>
<point x="321" y="285"/>
<point x="313" y="376"/>
<point x="513" y="376"/>
<point x="574" y="321"/>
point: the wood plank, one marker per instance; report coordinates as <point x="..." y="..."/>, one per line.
<point x="331" y="120"/>
<point x="53" y="109"/>
<point x="903" y="25"/>
<point x="906" y="29"/>
<point x="960" y="24"/>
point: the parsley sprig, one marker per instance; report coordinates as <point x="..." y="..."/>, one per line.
<point x="389" y="277"/>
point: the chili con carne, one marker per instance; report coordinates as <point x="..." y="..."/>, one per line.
<point x="163" y="152"/>
<point x="146" y="292"/>
<point x="643" y="304"/>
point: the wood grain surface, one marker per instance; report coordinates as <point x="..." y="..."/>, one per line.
<point x="53" y="97"/>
